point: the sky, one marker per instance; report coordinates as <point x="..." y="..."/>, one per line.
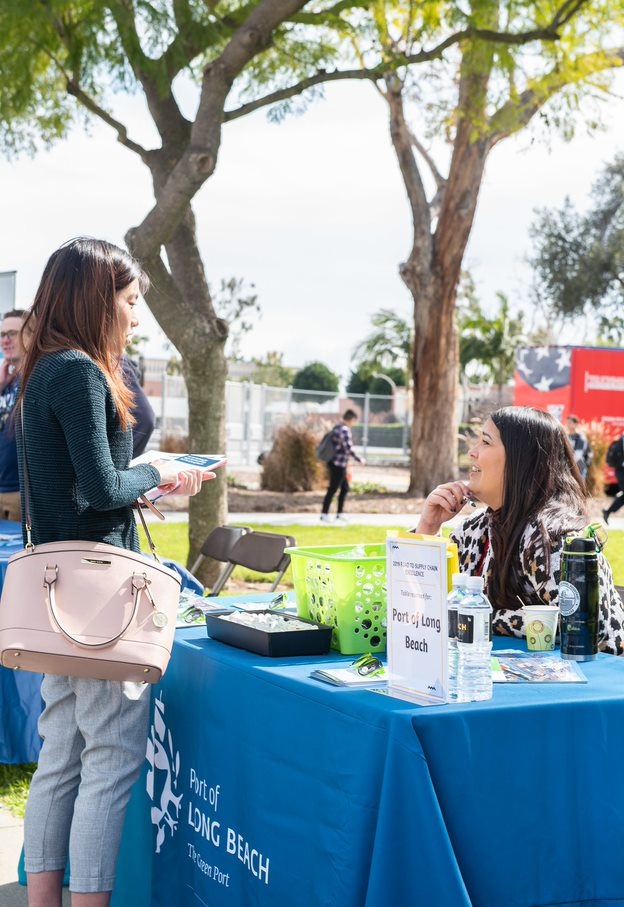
<point x="312" y="212"/>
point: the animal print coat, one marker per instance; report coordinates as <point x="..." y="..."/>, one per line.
<point x="541" y="585"/>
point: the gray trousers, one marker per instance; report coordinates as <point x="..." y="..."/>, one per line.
<point x="94" y="738"/>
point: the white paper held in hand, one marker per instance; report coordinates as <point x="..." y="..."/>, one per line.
<point x="205" y="462"/>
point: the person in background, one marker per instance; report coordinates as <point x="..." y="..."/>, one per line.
<point x="523" y="469"/>
<point x="580" y="445"/>
<point x="618" y="501"/>
<point x="142" y="412"/>
<point x="13" y="352"/>
<point x="76" y="438"/>
<point x="337" y="466"/>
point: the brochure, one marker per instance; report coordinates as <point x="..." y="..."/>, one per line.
<point x="349" y="677"/>
<point x="536" y="667"/>
<point x="205" y="462"/>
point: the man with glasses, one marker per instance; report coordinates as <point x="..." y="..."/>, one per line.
<point x="12" y="351"/>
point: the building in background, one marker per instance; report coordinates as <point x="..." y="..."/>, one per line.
<point x="7" y="290"/>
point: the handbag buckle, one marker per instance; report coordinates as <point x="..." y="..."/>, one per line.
<point x="50" y="574"/>
<point x="141" y="583"/>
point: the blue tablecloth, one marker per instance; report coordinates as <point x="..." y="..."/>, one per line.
<point x="20" y="700"/>
<point x="269" y="789"/>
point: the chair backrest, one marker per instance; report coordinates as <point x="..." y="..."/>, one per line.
<point x="262" y="551"/>
<point x="220" y="543"/>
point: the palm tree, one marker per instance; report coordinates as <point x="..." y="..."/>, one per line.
<point x="488" y="345"/>
<point x="389" y="345"/>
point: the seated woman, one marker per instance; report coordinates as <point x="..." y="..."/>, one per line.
<point x="523" y="469"/>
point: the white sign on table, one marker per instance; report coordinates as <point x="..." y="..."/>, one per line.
<point x="417" y="618"/>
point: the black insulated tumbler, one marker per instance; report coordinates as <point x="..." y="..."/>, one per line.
<point x="579" y="599"/>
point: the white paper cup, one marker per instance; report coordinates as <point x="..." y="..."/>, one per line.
<point x="540" y="625"/>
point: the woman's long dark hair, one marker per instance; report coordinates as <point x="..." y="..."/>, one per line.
<point x="75" y="308"/>
<point x="542" y="484"/>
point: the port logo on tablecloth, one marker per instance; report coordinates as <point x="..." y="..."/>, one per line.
<point x="163" y="775"/>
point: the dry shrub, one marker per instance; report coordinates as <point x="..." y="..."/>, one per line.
<point x="291" y="464"/>
<point x="599" y="441"/>
<point x="174" y="444"/>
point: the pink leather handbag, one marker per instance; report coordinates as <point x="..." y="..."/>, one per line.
<point x="87" y="609"/>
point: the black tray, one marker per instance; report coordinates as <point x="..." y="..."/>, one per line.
<point x="274" y="644"/>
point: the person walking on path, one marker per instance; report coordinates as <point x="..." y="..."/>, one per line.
<point x="618" y="501"/>
<point x="12" y="351"/>
<point x="342" y="441"/>
<point x="580" y="445"/>
<point x="77" y="441"/>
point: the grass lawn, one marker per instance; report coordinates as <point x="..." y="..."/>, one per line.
<point x="172" y="543"/>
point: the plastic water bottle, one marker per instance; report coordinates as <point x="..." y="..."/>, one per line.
<point x="474" y="643"/>
<point x="457" y="592"/>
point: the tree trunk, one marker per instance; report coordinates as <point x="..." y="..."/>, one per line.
<point x="205" y="373"/>
<point x="434" y="371"/>
<point x="180" y="301"/>
<point x="431" y="273"/>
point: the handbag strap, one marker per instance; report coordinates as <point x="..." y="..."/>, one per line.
<point x="139" y="585"/>
<point x="28" y="524"/>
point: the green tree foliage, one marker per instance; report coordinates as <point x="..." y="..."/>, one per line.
<point x="271" y="370"/>
<point x="388" y="348"/>
<point x="65" y="62"/>
<point x="315" y="376"/>
<point x="518" y="63"/>
<point x="487" y="344"/>
<point x="578" y="257"/>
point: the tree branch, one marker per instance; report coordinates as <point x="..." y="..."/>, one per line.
<point x="415" y="190"/>
<point x="200" y="156"/>
<point x="89" y="104"/>
<point x="152" y="75"/>
<point x="516" y="113"/>
<point x="548" y="33"/>
<point x="440" y="180"/>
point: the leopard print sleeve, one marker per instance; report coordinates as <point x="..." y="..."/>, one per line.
<point x="611" y="630"/>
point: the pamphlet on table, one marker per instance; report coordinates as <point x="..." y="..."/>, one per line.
<point x="534" y="667"/>
<point x="205" y="462"/>
<point x="349" y="677"/>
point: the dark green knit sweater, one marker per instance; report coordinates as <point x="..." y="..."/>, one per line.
<point x="79" y="481"/>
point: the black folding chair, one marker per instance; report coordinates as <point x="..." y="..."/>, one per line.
<point x="219" y="545"/>
<point x="262" y="552"/>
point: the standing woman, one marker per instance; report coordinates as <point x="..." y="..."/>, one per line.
<point x="77" y="441"/>
<point x="523" y="469"/>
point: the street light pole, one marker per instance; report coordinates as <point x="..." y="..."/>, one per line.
<point x="406" y="414"/>
<point x="389" y="380"/>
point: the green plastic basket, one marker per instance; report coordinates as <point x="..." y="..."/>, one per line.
<point x="344" y="586"/>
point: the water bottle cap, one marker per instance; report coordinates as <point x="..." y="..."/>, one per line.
<point x="458" y="579"/>
<point x="474" y="583"/>
<point x="577" y="545"/>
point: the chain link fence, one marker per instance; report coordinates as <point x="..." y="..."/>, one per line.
<point x="254" y="412"/>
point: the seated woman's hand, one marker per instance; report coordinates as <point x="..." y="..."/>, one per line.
<point x="442" y="504"/>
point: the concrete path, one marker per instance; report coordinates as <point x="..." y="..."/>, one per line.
<point x="12" y="894"/>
